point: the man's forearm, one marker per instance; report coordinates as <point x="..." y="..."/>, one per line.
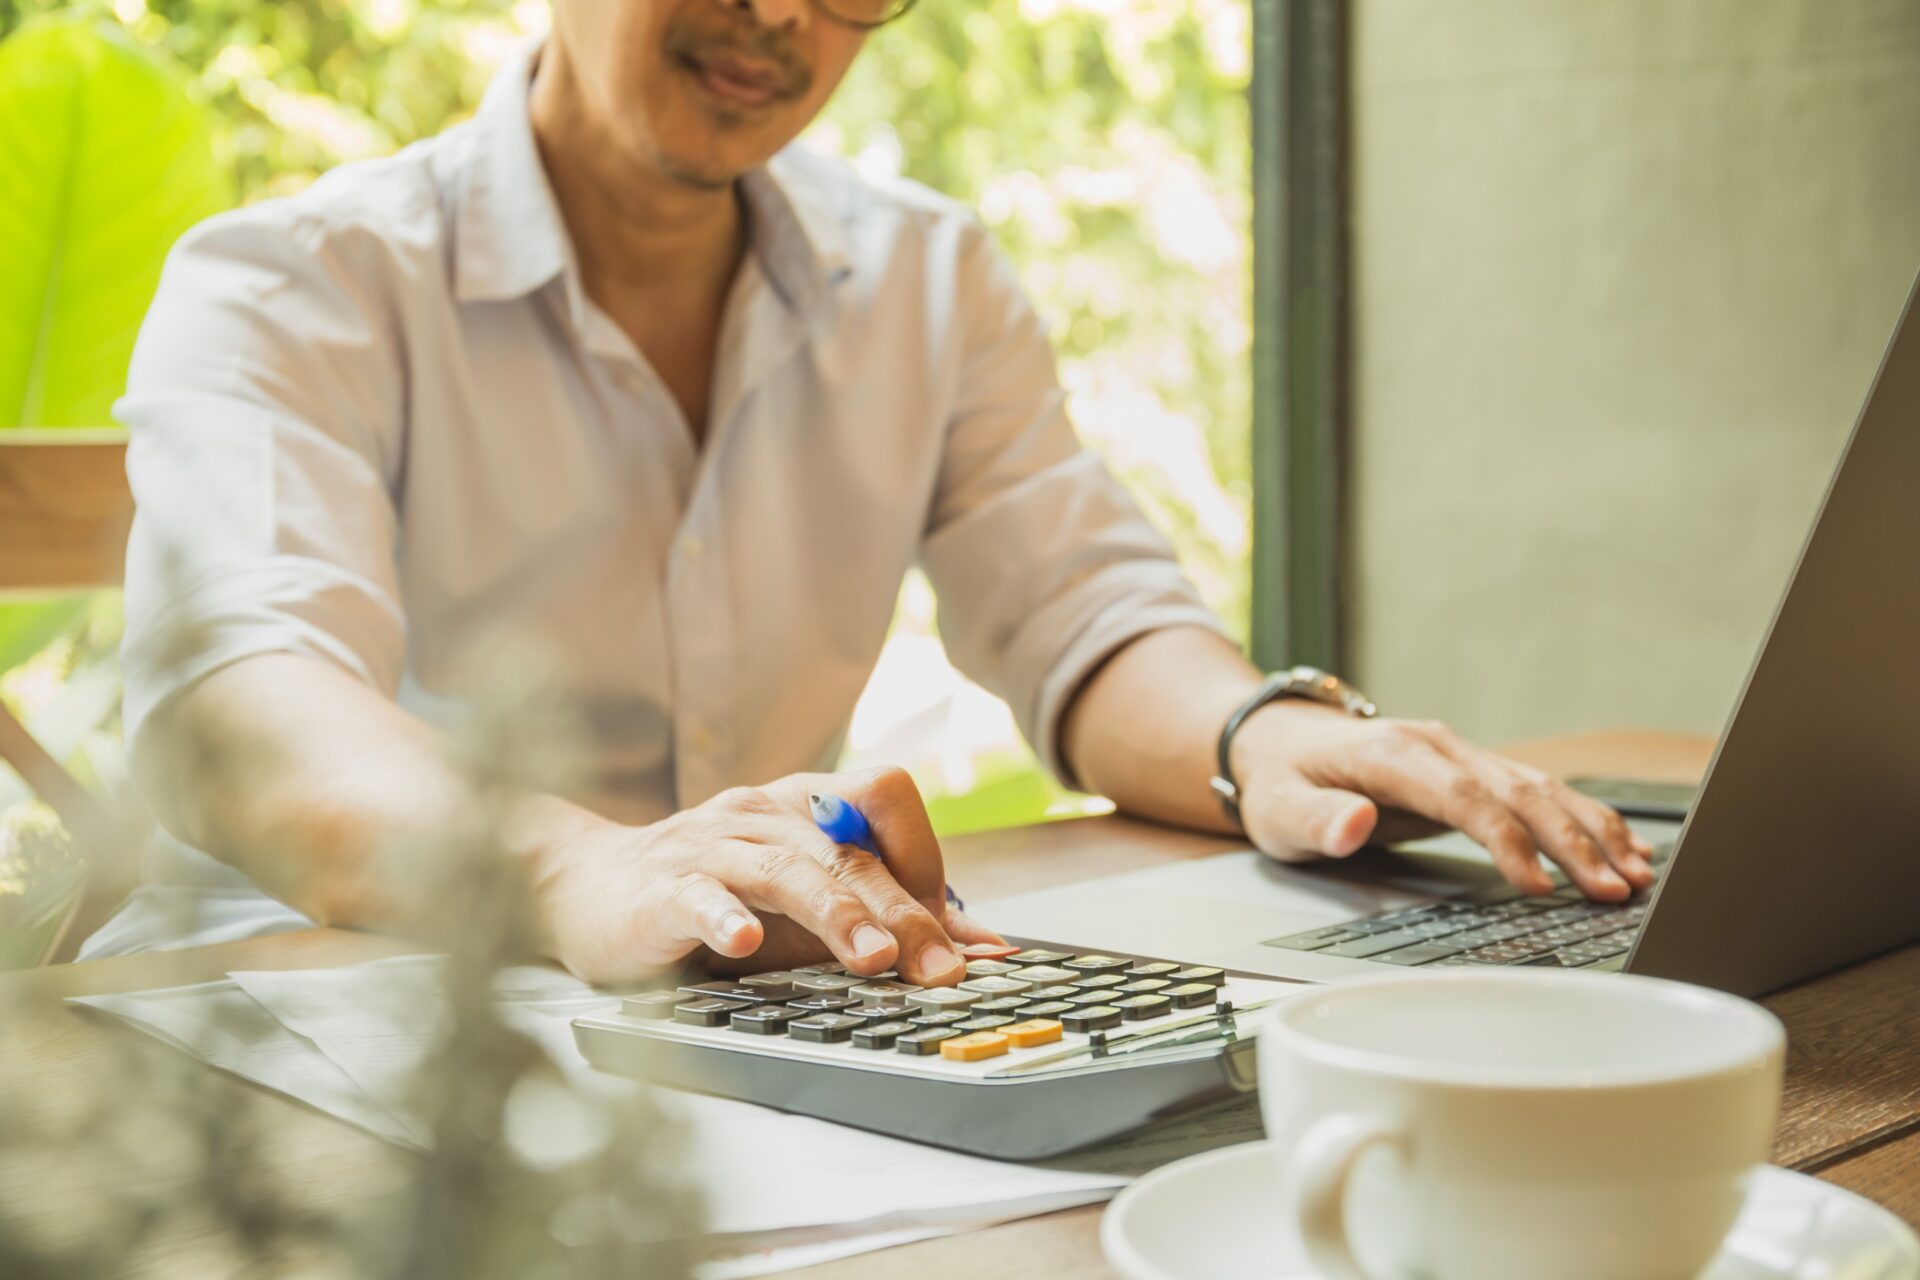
<point x="319" y="788"/>
<point x="1144" y="729"/>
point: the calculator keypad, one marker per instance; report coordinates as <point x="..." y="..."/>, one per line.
<point x="1009" y="1001"/>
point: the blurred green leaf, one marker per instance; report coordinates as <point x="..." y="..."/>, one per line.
<point x="26" y="629"/>
<point x="105" y="159"/>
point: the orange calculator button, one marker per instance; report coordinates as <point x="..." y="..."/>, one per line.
<point x="1034" y="1031"/>
<point x="974" y="1046"/>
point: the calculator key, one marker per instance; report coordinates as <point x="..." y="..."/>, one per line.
<point x="989" y="968"/>
<point x="1151" y="969"/>
<point x="1038" y="957"/>
<point x="1140" y="1008"/>
<point x="1053" y="993"/>
<point x="924" y="1041"/>
<point x="1201" y="973"/>
<point x="1045" y="1008"/>
<point x="882" y="992"/>
<point x="1034" y="1031"/>
<point x="1095" y="981"/>
<point x="653" y="1004"/>
<point x="940" y="1018"/>
<point x="824" y="1028"/>
<point x="1146" y="986"/>
<point x="705" y="1013"/>
<point x="944" y="998"/>
<point x="1087" y="999"/>
<point x="819" y="968"/>
<point x="767" y="1020"/>
<point x="988" y="951"/>
<point x="822" y="1004"/>
<point x="1092" y="1018"/>
<point x="881" y="1035"/>
<point x="997" y="986"/>
<point x="1191" y="995"/>
<point x="875" y="1013"/>
<point x="771" y="986"/>
<point x="827" y="984"/>
<point x="1004" y="1004"/>
<point x="1097" y="964"/>
<point x="983" y="1022"/>
<point x="973" y="1047"/>
<point x="739" y="993"/>
<point x="1045" y="973"/>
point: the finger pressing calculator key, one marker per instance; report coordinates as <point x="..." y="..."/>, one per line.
<point x="987" y="951"/>
<point x="973" y="1047"/>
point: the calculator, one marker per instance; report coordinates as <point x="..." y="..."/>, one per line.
<point x="1038" y="1051"/>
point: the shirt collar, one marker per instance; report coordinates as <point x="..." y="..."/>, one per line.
<point x="510" y="238"/>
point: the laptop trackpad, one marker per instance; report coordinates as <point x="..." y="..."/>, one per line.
<point x="1206" y="906"/>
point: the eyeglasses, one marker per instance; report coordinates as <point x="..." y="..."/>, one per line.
<point x="864" y="14"/>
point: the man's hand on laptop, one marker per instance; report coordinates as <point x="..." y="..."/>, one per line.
<point x="1317" y="782"/>
<point x="750" y="881"/>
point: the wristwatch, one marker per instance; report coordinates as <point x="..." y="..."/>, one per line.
<point x="1310" y="683"/>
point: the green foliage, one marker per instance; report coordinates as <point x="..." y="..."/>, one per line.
<point x="105" y="161"/>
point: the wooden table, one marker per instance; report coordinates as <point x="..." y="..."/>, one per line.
<point x="1851" y="1113"/>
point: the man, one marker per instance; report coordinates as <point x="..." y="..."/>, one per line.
<point x="615" y="370"/>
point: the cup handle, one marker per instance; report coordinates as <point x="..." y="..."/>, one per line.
<point x="1317" y="1174"/>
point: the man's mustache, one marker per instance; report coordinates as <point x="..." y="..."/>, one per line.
<point x="686" y="42"/>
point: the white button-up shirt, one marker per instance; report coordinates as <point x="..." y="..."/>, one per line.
<point x="381" y="423"/>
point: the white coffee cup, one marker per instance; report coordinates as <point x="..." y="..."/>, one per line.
<point x="1517" y="1124"/>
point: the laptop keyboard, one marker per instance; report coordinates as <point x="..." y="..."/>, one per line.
<point x="1564" y="930"/>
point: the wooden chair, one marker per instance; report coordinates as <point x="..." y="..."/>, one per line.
<point x="64" y="513"/>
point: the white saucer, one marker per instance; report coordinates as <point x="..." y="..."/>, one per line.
<point x="1212" y="1217"/>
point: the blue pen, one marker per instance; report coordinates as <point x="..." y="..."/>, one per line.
<point x="844" y="824"/>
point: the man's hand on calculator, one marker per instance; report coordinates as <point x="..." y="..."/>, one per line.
<point x="748" y="878"/>
<point x="1321" y="783"/>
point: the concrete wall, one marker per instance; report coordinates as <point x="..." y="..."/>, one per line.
<point x="1623" y="270"/>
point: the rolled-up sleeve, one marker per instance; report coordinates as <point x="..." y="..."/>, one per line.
<point x="1043" y="564"/>
<point x="263" y="406"/>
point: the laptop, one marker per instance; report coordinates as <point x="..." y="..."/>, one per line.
<point x="1801" y="852"/>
